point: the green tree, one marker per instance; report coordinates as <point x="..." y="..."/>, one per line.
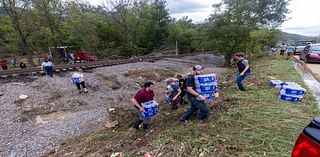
<point x="8" y="36"/>
<point x="22" y="20"/>
<point x="50" y="14"/>
<point x="229" y="30"/>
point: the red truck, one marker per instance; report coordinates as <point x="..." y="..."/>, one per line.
<point x="3" y="64"/>
<point x="308" y="142"/>
<point x="84" y="56"/>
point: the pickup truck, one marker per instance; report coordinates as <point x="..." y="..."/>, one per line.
<point x="83" y="56"/>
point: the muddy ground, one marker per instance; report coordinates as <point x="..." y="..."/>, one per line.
<point x="54" y="110"/>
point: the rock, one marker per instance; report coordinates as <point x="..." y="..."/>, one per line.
<point x="1" y="94"/>
<point x="112" y="110"/>
<point x="23" y="97"/>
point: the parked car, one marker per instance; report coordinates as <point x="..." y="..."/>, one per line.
<point x="299" y="46"/>
<point x="308" y="142"/>
<point x="83" y="56"/>
<point x="311" y="53"/>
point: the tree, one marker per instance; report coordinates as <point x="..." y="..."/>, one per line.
<point x="50" y="13"/>
<point x="143" y="25"/>
<point x="22" y="20"/>
<point x="231" y="28"/>
<point x="8" y="36"/>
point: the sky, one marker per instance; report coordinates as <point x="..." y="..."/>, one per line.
<point x="303" y="19"/>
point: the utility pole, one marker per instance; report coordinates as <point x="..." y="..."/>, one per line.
<point x="177" y="51"/>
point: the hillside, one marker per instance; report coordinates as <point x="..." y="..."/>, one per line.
<point x="295" y="37"/>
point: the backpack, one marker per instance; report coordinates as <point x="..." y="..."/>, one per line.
<point x="184" y="85"/>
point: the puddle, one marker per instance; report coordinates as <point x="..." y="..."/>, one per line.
<point x="310" y="81"/>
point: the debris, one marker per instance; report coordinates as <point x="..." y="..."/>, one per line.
<point x="271" y="78"/>
<point x="116" y="154"/>
<point x="250" y="84"/>
<point x="39" y="120"/>
<point x="18" y="84"/>
<point x="147" y="155"/>
<point x="112" y="124"/>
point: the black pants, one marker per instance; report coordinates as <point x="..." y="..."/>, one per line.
<point x="83" y="84"/>
<point x="183" y="93"/>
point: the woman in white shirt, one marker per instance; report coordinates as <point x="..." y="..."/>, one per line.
<point x="48" y="67"/>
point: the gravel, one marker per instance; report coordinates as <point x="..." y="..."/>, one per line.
<point x="54" y="110"/>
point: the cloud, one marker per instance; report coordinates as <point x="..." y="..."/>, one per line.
<point x="304" y="30"/>
<point x="197" y="10"/>
<point x="186" y="6"/>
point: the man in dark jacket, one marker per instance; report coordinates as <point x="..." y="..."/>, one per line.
<point x="192" y="95"/>
<point x="244" y="69"/>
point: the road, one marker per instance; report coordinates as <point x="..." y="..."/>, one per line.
<point x="313" y="68"/>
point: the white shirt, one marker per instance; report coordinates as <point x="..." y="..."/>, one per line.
<point x="45" y="64"/>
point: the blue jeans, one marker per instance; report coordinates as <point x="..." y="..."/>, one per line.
<point x="195" y="106"/>
<point x="240" y="78"/>
<point x="146" y="120"/>
<point x="49" y="70"/>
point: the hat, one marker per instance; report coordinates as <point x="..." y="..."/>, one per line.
<point x="197" y="67"/>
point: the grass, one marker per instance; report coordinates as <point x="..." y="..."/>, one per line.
<point x="251" y="123"/>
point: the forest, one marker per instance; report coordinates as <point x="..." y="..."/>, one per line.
<point x="138" y="27"/>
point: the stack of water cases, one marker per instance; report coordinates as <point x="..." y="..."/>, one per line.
<point x="206" y="85"/>
<point x="150" y="108"/>
<point x="276" y="83"/>
<point x="292" y="92"/>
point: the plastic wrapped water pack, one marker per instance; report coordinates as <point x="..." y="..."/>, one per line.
<point x="292" y="93"/>
<point x="276" y="83"/>
<point x="150" y="108"/>
<point x="293" y="90"/>
<point x="206" y="85"/>
<point x="291" y="98"/>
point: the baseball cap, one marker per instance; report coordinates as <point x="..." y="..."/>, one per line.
<point x="197" y="67"/>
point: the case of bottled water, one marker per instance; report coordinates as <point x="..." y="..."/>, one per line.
<point x="206" y="85"/>
<point x="276" y="83"/>
<point x="150" y="108"/>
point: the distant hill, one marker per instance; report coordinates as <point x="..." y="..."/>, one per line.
<point x="295" y="37"/>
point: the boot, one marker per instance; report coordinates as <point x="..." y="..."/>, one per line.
<point x="137" y="123"/>
<point x="145" y="128"/>
<point x="85" y="90"/>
